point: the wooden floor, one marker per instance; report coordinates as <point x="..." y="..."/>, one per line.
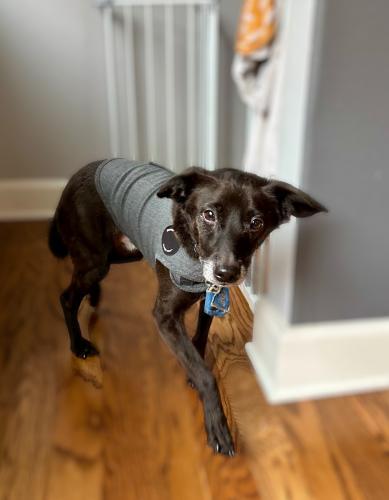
<point x="125" y="426"/>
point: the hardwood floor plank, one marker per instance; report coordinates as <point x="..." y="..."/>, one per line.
<point x="126" y="426"/>
<point x="295" y="452"/>
<point x="261" y="436"/>
<point x="150" y="446"/>
<point x="355" y="447"/>
<point x="27" y="358"/>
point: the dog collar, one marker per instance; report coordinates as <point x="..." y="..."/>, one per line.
<point x="217" y="300"/>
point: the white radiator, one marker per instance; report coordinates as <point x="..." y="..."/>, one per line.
<point x="162" y="80"/>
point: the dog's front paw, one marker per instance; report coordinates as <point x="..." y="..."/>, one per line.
<point x="84" y="349"/>
<point x="219" y="436"/>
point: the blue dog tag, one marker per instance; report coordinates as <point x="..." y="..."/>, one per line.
<point x="217" y="300"/>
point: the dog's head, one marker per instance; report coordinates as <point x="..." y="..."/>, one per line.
<point x="225" y="215"/>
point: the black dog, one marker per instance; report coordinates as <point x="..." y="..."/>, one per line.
<point x="220" y="218"/>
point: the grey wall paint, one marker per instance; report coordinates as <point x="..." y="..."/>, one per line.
<point x="343" y="258"/>
<point x="52" y="92"/>
<point x="52" y="96"/>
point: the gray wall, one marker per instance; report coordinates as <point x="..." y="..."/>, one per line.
<point x="343" y="258"/>
<point x="52" y="92"/>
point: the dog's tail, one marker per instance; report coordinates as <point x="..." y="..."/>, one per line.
<point x="56" y="243"/>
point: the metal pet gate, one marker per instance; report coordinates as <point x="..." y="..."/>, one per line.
<point x="162" y="80"/>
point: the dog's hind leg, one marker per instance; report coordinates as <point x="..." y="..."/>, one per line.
<point x="83" y="282"/>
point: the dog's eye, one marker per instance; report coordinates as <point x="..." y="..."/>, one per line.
<point x="209" y="215"/>
<point x="256" y="223"/>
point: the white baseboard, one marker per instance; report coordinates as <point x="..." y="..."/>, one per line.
<point x="29" y="199"/>
<point x="296" y="362"/>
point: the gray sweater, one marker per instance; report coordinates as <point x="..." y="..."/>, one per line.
<point x="129" y="192"/>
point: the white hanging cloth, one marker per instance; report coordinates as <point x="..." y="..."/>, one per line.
<point x="254" y="70"/>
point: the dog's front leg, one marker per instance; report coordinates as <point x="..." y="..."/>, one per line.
<point x="204" y="322"/>
<point x="173" y="332"/>
<point x="169" y="312"/>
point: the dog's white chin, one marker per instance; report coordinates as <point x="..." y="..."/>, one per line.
<point x="209" y="275"/>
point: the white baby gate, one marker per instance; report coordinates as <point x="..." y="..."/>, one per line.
<point x="162" y="64"/>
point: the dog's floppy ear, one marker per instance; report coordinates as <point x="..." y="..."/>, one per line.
<point x="179" y="187"/>
<point x="293" y="201"/>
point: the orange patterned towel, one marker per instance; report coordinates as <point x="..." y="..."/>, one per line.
<point x="257" y="26"/>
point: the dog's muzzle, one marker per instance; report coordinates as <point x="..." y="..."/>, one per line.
<point x="222" y="275"/>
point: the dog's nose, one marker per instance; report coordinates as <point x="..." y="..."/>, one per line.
<point x="227" y="274"/>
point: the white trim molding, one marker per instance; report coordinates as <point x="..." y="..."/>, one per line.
<point x="292" y="107"/>
<point x="282" y="136"/>
<point x="29" y="199"/>
<point x="296" y="362"/>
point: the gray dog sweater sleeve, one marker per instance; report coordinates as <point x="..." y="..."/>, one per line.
<point x="129" y="189"/>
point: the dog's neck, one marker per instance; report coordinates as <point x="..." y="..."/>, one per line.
<point x="182" y="229"/>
